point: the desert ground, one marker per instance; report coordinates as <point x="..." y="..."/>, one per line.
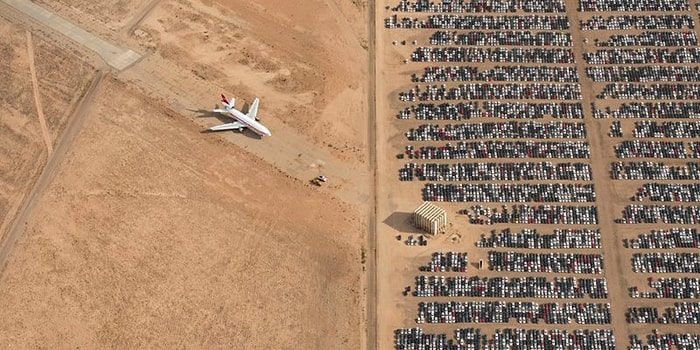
<point x="124" y="225"/>
<point x="131" y="228"/>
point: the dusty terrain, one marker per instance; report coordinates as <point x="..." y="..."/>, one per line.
<point x="161" y="247"/>
<point x="307" y="62"/>
<point x="23" y="145"/>
<point x="135" y="230"/>
<point x="152" y="234"/>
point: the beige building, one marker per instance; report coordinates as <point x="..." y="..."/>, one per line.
<point x="429" y="218"/>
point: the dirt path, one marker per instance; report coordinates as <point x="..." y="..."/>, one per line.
<point x="118" y="57"/>
<point x="371" y="282"/>
<point x="600" y="151"/>
<point x="75" y="121"/>
<point x="37" y="97"/>
<point x="136" y="20"/>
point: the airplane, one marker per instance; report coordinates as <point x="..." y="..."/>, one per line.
<point x="242" y="121"/>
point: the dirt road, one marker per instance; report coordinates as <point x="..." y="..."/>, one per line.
<point x="37" y="96"/>
<point x="600" y="158"/>
<point x="371" y="294"/>
<point x="52" y="163"/>
<point x="117" y="57"/>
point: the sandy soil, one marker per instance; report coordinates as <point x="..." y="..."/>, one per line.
<point x="307" y="62"/>
<point x="160" y="247"/>
<point x="103" y="17"/>
<point x="153" y="234"/>
<point x="24" y="151"/>
<point x="61" y="78"/>
<point x="22" y="146"/>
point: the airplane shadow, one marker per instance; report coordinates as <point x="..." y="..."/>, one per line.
<point x="251" y="134"/>
<point x="247" y="133"/>
<point x="204" y="113"/>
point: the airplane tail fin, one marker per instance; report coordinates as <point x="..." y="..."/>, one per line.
<point x="226" y="103"/>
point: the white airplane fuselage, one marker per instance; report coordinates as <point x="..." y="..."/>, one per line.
<point x="249" y="122"/>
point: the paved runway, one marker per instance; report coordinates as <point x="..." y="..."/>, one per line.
<point x="117" y="57"/>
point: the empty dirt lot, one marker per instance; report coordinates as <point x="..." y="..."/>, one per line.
<point x="143" y="241"/>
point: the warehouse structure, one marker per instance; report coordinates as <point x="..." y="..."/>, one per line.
<point x="429" y="217"/>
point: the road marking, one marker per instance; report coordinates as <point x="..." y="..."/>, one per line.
<point x="37" y="97"/>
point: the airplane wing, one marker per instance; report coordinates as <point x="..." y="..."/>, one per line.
<point x="253" y="110"/>
<point x="228" y="126"/>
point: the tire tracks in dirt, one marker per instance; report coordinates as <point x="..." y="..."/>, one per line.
<point x="347" y="27"/>
<point x="136" y="20"/>
<point x="73" y="126"/>
<point x="612" y="249"/>
<point x="37" y="97"/>
<point x="371" y="341"/>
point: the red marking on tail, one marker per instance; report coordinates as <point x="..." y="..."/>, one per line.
<point x="223" y="99"/>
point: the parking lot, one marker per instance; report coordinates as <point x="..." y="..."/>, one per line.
<point x="560" y="136"/>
